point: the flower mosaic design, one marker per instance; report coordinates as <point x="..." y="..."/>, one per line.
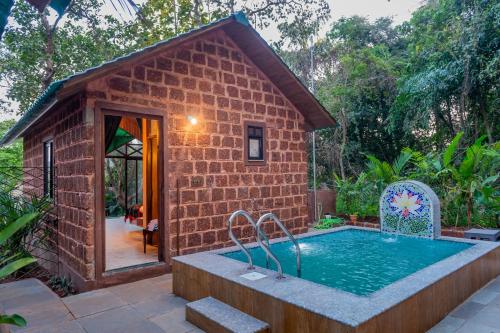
<point x="406" y="203"/>
<point x="406" y="208"/>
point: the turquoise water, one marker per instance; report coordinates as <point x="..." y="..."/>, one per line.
<point x="357" y="261"/>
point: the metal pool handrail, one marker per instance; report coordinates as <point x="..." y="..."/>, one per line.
<point x="237" y="242"/>
<point x="268" y="250"/>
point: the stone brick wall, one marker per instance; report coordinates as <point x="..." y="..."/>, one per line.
<point x="74" y="167"/>
<point x="211" y="79"/>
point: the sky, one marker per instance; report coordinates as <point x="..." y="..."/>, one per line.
<point x="399" y="10"/>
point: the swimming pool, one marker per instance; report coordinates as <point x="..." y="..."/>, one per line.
<point x="357" y="261"/>
<point x="353" y="280"/>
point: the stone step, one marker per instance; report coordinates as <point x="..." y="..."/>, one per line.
<point x="214" y="316"/>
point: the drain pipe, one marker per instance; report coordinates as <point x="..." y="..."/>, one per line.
<point x="178" y="214"/>
<point x="314" y="177"/>
<point x="313" y="136"/>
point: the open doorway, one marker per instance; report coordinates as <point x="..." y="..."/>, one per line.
<point x="131" y="191"/>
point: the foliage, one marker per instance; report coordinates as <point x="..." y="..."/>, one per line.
<point x="11" y="261"/>
<point x="451" y="81"/>
<point x="12" y="208"/>
<point x="62" y="285"/>
<point x="11" y="155"/>
<point x="414" y="85"/>
<point x="35" y="52"/>
<point x="38" y="48"/>
<point x="354" y="195"/>
<point x="329" y="223"/>
<point x="465" y="180"/>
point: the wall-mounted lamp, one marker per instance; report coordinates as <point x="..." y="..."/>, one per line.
<point x="192" y="120"/>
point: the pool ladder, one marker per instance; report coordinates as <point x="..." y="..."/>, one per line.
<point x="263" y="240"/>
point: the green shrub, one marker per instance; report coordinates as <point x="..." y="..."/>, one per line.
<point x="329" y="223"/>
<point x="466" y="182"/>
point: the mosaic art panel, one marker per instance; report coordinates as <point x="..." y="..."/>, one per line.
<point x="410" y="208"/>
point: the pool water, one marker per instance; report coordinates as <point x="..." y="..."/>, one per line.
<point x="356" y="261"/>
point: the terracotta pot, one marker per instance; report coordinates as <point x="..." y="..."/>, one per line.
<point x="353" y="218"/>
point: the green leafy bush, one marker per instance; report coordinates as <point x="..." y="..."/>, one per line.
<point x="11" y="261"/>
<point x="34" y="233"/>
<point x="466" y="181"/>
<point x="329" y="223"/>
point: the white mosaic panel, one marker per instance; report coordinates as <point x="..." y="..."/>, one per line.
<point x="410" y="208"/>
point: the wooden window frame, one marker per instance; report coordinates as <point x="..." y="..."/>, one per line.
<point x="48" y="169"/>
<point x="250" y="162"/>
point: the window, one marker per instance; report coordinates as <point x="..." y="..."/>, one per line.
<point x="48" y="168"/>
<point x="254" y="143"/>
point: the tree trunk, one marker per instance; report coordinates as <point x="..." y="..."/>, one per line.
<point x="176" y="23"/>
<point x="469" y="209"/>
<point x="484" y="115"/>
<point x="196" y="10"/>
<point x="343" y="124"/>
<point x="48" y="67"/>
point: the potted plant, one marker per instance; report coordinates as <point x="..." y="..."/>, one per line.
<point x="350" y="191"/>
<point x="353" y="218"/>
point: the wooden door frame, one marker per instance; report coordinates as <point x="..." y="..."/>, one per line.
<point x="132" y="273"/>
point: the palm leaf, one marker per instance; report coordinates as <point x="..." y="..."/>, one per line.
<point x="450" y="150"/>
<point x="15" y="265"/>
<point x="480" y="141"/>
<point x="12" y="228"/>
<point x="471" y="159"/>
<point x="14" y="319"/>
<point x="3" y="260"/>
<point x="399" y="164"/>
<point x="387" y="172"/>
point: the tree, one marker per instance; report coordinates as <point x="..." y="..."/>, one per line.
<point x="357" y="67"/>
<point x="36" y="52"/>
<point x="38" y="49"/>
<point x="11" y="155"/>
<point x="450" y="83"/>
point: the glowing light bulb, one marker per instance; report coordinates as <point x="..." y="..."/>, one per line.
<point x="192" y="120"/>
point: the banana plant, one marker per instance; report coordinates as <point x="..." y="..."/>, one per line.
<point x="352" y="192"/>
<point x="10" y="263"/>
<point x="384" y="173"/>
<point x="472" y="185"/>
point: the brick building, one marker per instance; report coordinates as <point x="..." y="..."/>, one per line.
<point x="221" y="124"/>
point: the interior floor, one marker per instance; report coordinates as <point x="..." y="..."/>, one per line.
<point x="124" y="245"/>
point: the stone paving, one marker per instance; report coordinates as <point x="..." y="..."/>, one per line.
<point x="479" y="314"/>
<point x="150" y="306"/>
<point x="143" y="306"/>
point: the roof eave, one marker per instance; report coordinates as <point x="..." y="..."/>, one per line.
<point x="326" y="119"/>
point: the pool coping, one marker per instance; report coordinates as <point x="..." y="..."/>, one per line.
<point x="335" y="304"/>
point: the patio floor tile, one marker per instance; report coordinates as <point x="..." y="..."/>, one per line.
<point x="470" y="327"/>
<point x="118" y="320"/>
<point x="140" y="291"/>
<point x="159" y="305"/>
<point x="467" y="310"/>
<point x="484" y="296"/>
<point x="29" y="293"/>
<point x="494" y="286"/>
<point x="92" y="302"/>
<point x="67" y="326"/>
<point x="447" y="325"/>
<point x="175" y="322"/>
<point x="496" y="301"/>
<point x="489" y="316"/>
